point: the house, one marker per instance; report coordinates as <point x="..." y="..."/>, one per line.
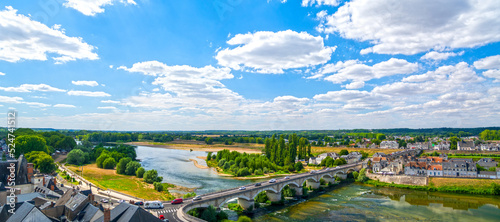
<point x="379" y="155"/>
<point x="489" y="147"/>
<point x="24" y="212"/>
<point x="434" y="170"/>
<point x="389" y="144"/>
<point x="322" y="156"/>
<point x="487" y="174"/>
<point x="442" y="146"/>
<point x="379" y="163"/>
<point x="128" y="213"/>
<point x="373" y="146"/>
<point x="443" y="156"/>
<point x="459" y="168"/>
<point x="414" y="168"/>
<point x="466" y="145"/>
<point x="487" y="163"/>
<point x="395" y="167"/>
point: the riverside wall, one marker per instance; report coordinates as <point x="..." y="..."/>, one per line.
<point x="400" y="179"/>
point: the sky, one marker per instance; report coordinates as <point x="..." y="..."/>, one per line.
<point x="138" y="65"/>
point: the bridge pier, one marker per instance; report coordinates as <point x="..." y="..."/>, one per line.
<point x="329" y="180"/>
<point x="298" y="191"/>
<point x="246" y="204"/>
<point x="314" y="185"/>
<point x="273" y="197"/>
<point x="342" y="176"/>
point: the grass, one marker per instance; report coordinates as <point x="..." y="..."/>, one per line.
<point x="474" y="158"/>
<point x="478" y="183"/>
<point x="131" y="185"/>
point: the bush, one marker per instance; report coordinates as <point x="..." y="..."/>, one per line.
<point x="109" y="163"/>
<point x="158" y="186"/>
<point x="76" y="157"/>
<point x="122" y="165"/>
<point x="355" y="175"/>
<point x="209" y="214"/>
<point x="362" y="176"/>
<point x="244" y="219"/>
<point x="140" y="172"/>
<point x="132" y="167"/>
<point x="100" y="160"/>
<point x="151" y="176"/>
<point x="188" y="195"/>
<point x="298" y="166"/>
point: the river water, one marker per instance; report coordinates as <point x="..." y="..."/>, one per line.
<point x="353" y="202"/>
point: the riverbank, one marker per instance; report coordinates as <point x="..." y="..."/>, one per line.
<point x="450" y="185"/>
<point x="198" y="165"/>
<point x="247" y="148"/>
<point x="131" y="185"/>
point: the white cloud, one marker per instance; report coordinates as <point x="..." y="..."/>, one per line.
<point x="355" y="85"/>
<point x="8" y="99"/>
<point x="110" y="101"/>
<point x="85" y="83"/>
<point x="25" y="39"/>
<point x="36" y="104"/>
<point x="436" y="56"/>
<point x="306" y="3"/>
<point x="64" y="106"/>
<point x="2" y="74"/>
<point x="410" y="27"/>
<point x="31" y="88"/>
<point x="107" y="107"/>
<point x="342" y="96"/>
<point x="442" y="80"/>
<point x="493" y="73"/>
<point x="491" y="62"/>
<point x="272" y="52"/>
<point x="88" y="93"/>
<point x="93" y="7"/>
<point x="359" y="73"/>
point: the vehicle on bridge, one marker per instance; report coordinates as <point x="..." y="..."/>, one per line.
<point x="177" y="201"/>
<point x="243" y="188"/>
<point x="153" y="205"/>
<point x="197" y="198"/>
<point x="272" y="181"/>
<point x="257" y="184"/>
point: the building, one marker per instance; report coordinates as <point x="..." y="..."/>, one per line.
<point x="459" y="168"/>
<point x="466" y="145"/>
<point x="414" y="168"/>
<point x="379" y="163"/>
<point x="487" y="174"/>
<point x="127" y="212"/>
<point x="434" y="170"/>
<point x="487" y="163"/>
<point x="389" y="144"/>
<point x="19" y="168"/>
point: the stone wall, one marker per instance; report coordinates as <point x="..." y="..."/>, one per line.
<point x="400" y="179"/>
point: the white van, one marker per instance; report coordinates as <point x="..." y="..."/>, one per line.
<point x="153" y="205"/>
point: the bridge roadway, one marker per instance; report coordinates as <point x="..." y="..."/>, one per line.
<point x="273" y="190"/>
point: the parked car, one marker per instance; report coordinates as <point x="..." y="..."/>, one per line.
<point x="177" y="201"/>
<point x="121" y="201"/>
<point x="197" y="198"/>
<point x="153" y="205"/>
<point x="257" y="184"/>
<point x="161" y="217"/>
<point x="243" y="188"/>
<point x="272" y="181"/>
<point x="104" y="200"/>
<point x="139" y="203"/>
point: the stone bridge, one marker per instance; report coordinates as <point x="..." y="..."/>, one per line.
<point x="273" y="190"/>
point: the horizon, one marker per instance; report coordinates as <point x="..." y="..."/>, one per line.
<point x="274" y="65"/>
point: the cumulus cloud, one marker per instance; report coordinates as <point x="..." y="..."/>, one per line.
<point x="85" y="83"/>
<point x="442" y="80"/>
<point x="64" y="106"/>
<point x="493" y="73"/>
<point x="2" y="74"/>
<point x="411" y="27"/>
<point x="273" y="52"/>
<point x="110" y="101"/>
<point x="25" y="39"/>
<point x="359" y="73"/>
<point x="437" y="56"/>
<point x="32" y="88"/>
<point x="306" y="3"/>
<point x="93" y="7"/>
<point x="88" y="93"/>
<point x="491" y="62"/>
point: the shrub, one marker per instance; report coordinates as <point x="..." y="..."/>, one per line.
<point x="132" y="167"/>
<point x="244" y="219"/>
<point x="298" y="166"/>
<point x="100" y="160"/>
<point x="109" y="163"/>
<point x="122" y="165"/>
<point x="140" y="172"/>
<point x="76" y="157"/>
<point x="158" y="186"/>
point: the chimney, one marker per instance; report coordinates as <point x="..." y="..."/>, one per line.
<point x="55" y="181"/>
<point x="107" y="215"/>
<point x="30" y="171"/>
<point x="43" y="180"/>
<point x="52" y="187"/>
<point x="91" y="198"/>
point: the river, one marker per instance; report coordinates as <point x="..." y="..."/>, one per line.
<point x="353" y="202"/>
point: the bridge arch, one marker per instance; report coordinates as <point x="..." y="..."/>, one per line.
<point x="283" y="185"/>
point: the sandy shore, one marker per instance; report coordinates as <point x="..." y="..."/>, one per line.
<point x="205" y="148"/>
<point x="198" y="165"/>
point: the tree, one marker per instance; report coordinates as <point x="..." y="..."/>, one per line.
<point x="209" y="214"/>
<point x="340" y="161"/>
<point x="362" y="175"/>
<point x="151" y="176"/>
<point x="343" y="152"/>
<point x="453" y="142"/>
<point x="109" y="163"/>
<point x="41" y="161"/>
<point x="122" y="165"/>
<point x="68" y="143"/>
<point x="381" y="137"/>
<point x="158" y="186"/>
<point x="209" y="140"/>
<point x="298" y="166"/>
<point x="30" y="143"/>
<point x="100" y="160"/>
<point x="132" y="167"/>
<point x="209" y="156"/>
<point x="76" y="157"/>
<point x="140" y="172"/>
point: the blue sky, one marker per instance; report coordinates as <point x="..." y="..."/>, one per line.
<point x="250" y="65"/>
